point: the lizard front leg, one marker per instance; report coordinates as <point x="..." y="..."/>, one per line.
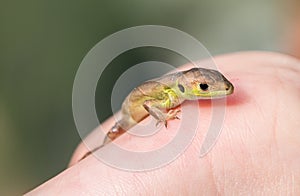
<point x="155" y="109"/>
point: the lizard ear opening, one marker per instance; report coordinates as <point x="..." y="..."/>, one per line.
<point x="181" y="88"/>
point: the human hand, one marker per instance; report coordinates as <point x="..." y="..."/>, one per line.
<point x="256" y="153"/>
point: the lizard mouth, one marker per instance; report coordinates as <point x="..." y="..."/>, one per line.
<point x="227" y="91"/>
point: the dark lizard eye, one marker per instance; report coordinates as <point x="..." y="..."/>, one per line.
<point x="203" y="86"/>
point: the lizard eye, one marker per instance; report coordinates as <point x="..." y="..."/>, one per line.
<point x="203" y="86"/>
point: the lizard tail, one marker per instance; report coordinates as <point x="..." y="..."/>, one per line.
<point x="113" y="133"/>
<point x="105" y="141"/>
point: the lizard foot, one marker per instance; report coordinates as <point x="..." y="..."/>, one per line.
<point x="172" y="114"/>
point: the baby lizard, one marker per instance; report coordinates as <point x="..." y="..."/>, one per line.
<point x="160" y="97"/>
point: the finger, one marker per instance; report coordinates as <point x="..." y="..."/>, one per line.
<point x="247" y="157"/>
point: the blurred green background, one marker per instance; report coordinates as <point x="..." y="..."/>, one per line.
<point x="42" y="43"/>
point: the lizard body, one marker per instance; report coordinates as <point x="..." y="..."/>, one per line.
<point x="159" y="97"/>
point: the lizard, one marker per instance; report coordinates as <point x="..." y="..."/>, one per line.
<point x="160" y="97"/>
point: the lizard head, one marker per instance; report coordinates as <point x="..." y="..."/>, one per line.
<point x="200" y="83"/>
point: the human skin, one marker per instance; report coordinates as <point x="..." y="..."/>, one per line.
<point x="256" y="153"/>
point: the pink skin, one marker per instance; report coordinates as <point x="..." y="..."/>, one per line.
<point x="257" y="153"/>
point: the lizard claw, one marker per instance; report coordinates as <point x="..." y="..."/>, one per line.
<point x="162" y="121"/>
<point x="172" y="114"/>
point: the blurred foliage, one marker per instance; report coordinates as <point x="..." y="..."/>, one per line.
<point x="43" y="42"/>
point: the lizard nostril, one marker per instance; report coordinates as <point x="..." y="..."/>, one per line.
<point x="227" y="87"/>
